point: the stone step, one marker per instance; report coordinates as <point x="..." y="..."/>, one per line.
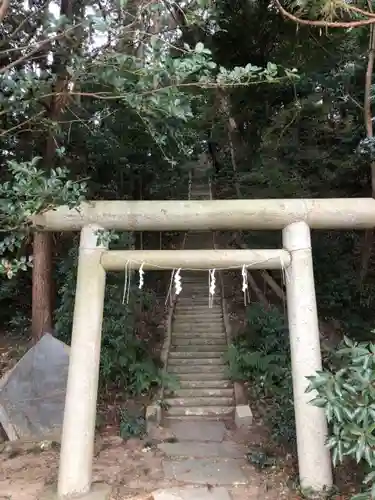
<point x="194" y="333"/>
<point x="191" y="349"/>
<point x="186" y="325"/>
<point x="194" y="420"/>
<point x="196" y="281"/>
<point x="198" y="317"/>
<point x="187" y="300"/>
<point x="196" y="361"/>
<point x="197" y="430"/>
<point x="191" y="298"/>
<point x="202" y="281"/>
<point x="202" y="393"/>
<point x="211" y="341"/>
<point x="189" y="368"/>
<point x="199" y="285"/>
<point x="202" y="401"/>
<point x="182" y="355"/>
<point x="201" y="291"/>
<point x="197" y="320"/>
<point x="193" y="338"/>
<point x="185" y="321"/>
<point x="200" y="411"/>
<point x="199" y="449"/>
<point x="187" y="303"/>
<point x="202" y="377"/>
<point x="195" y="277"/>
<point x="213" y="326"/>
<point x="198" y="327"/>
<point x="191" y="326"/>
<point x="198" y="309"/>
<point x="194" y="298"/>
<point x="199" y="333"/>
<point x="195" y="289"/>
<point x="204" y="384"/>
<point x="201" y="277"/>
<point x="201" y="300"/>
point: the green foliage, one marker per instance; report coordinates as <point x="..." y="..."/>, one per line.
<point x="19" y="324"/>
<point x="348" y="398"/>
<point x="30" y="191"/>
<point x="338" y="294"/>
<point x="131" y="425"/>
<point x="127" y="363"/>
<point x="260" y="459"/>
<point x="260" y="356"/>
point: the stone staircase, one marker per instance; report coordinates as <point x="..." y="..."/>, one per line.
<point x="198" y="342"/>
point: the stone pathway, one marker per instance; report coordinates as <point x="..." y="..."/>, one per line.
<point x="206" y="464"/>
<point x="200" y="456"/>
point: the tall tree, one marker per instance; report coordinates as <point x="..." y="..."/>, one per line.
<point x="42" y="288"/>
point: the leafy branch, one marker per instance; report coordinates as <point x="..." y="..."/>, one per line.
<point x="348" y="398"/>
<point x="328" y="23"/>
<point x="29" y="192"/>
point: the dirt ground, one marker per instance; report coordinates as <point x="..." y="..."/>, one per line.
<point x="134" y="467"/>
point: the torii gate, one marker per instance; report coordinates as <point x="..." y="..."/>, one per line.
<point x="293" y="216"/>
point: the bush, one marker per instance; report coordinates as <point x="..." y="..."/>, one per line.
<point x="347" y="395"/>
<point x="127" y="363"/>
<point x="261" y="357"/>
<point x="131" y="425"/>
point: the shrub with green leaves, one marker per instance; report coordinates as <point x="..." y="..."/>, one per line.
<point x="261" y="357"/>
<point x="347" y="395"/>
<point x="28" y="191"/>
<point x="127" y="362"/>
<point x="131" y="425"/>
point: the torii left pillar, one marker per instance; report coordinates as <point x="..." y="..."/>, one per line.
<point x="77" y="445"/>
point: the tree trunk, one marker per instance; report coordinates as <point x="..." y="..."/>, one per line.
<point x="369" y="235"/>
<point x="233" y="139"/>
<point x="42" y="286"/>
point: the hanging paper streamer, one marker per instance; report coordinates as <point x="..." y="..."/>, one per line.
<point x="177" y="282"/>
<point x="212" y="286"/>
<point x="169" y="294"/>
<point x="125" y="296"/>
<point x="141" y="277"/>
<point x="245" y="284"/>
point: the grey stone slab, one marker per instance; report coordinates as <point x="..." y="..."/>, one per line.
<point x="198" y="431"/>
<point x="32" y="395"/>
<point x="198" y="449"/>
<point x="219" y="472"/>
<point x="192" y="493"/>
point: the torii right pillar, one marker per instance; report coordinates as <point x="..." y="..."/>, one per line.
<point x="314" y="461"/>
